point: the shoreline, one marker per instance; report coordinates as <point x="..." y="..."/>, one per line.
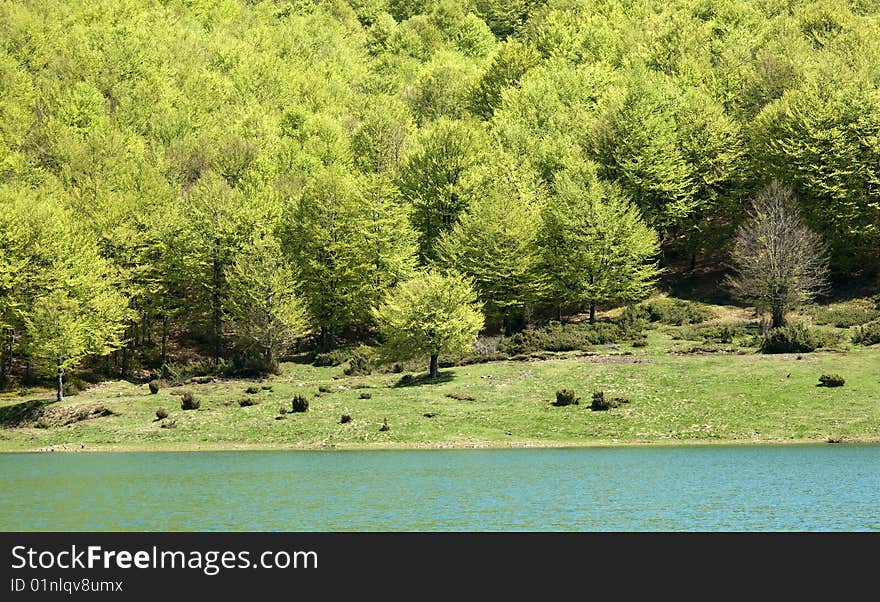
<point x="429" y="446"/>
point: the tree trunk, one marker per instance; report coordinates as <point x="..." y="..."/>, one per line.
<point x="592" y="312"/>
<point x="164" y="336"/>
<point x="506" y="326"/>
<point x="218" y="318"/>
<point x="4" y="351"/>
<point x="778" y="316"/>
<point x="435" y="366"/>
<point x="693" y="261"/>
<point x="59" y="391"/>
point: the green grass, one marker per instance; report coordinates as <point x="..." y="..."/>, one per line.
<point x="675" y="398"/>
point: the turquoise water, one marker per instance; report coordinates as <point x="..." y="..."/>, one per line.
<point x="803" y="488"/>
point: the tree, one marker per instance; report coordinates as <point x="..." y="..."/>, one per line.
<point x="211" y="227"/>
<point x="350" y="243"/>
<point x="780" y="263"/>
<point x="511" y="62"/>
<point x="822" y="140"/>
<point x="262" y="305"/>
<point x="494" y="243"/>
<point x="431" y="175"/>
<point x="430" y="314"/>
<point x="595" y="246"/>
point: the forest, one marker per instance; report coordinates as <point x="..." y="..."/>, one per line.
<point x="227" y="183"/>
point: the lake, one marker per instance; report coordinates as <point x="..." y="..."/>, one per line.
<point x="703" y="488"/>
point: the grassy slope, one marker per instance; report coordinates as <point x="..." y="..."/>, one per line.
<point x="675" y="399"/>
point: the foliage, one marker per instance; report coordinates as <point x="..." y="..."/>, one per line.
<point x="558" y="337"/>
<point x="494" y="242"/>
<point x="844" y="316"/>
<point x="431" y="314"/>
<point x="188" y="401"/>
<point x="262" y="306"/>
<point x="869" y="334"/>
<point x="831" y="380"/>
<point x="677" y="311"/>
<point x="565" y="397"/>
<point x="299" y="404"/>
<point x="797" y="338"/>
<point x="595" y="247"/>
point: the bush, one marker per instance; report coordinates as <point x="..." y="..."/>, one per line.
<point x="189" y="401"/>
<point x="161" y="414"/>
<point x="266" y="387"/>
<point x="831" y="380"/>
<point x="565" y="397"/>
<point x="641" y="341"/>
<point x="299" y="403"/>
<point x="711" y="333"/>
<point x="252" y="390"/>
<point x="560" y="337"/>
<point x="602" y="403"/>
<point x="365" y="395"/>
<point x="677" y="312"/>
<point x="869" y="334"/>
<point x="797" y="338"/>
<point x="633" y="321"/>
<point x="246" y="402"/>
<point x="154" y="387"/>
<point x="844" y="316"/>
<point x="337" y="357"/>
<point x="358" y="365"/>
<point x="346" y="418"/>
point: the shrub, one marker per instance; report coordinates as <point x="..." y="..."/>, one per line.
<point x="831" y="380"/>
<point x="189" y="401"/>
<point x="797" y="338"/>
<point x="641" y="341"/>
<point x="633" y="321"/>
<point x="869" y="334"/>
<point x="336" y="357"/>
<point x="365" y="395"/>
<point x="560" y="337"/>
<point x="461" y="396"/>
<point x="346" y="418"/>
<point x="602" y="403"/>
<point x="565" y="397"/>
<point x="266" y="387"/>
<point x="358" y="365"/>
<point x="161" y="414"/>
<point x="246" y="402"/>
<point x="154" y="387"/>
<point x="677" y="312"/>
<point x="844" y="316"/>
<point x="252" y="390"/>
<point x="710" y="333"/>
<point x="385" y="426"/>
<point x="299" y="403"/>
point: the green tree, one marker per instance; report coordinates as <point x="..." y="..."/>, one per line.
<point x="511" y="62"/>
<point x="431" y="176"/>
<point x="430" y="314"/>
<point x="822" y="139"/>
<point x="262" y="306"/>
<point x="596" y="249"/>
<point x="211" y="226"/>
<point x="494" y="243"/>
<point x="350" y="242"/>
